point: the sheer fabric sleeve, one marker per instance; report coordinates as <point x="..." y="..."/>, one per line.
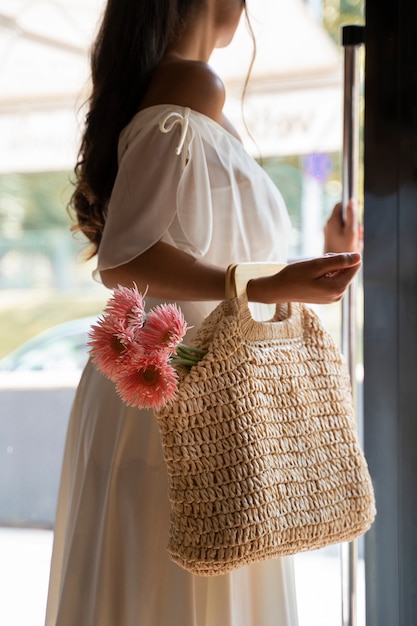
<point x="161" y="192"/>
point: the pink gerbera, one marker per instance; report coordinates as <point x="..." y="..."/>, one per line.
<point x="165" y="328"/>
<point x="109" y="344"/>
<point x="150" y="383"/>
<point x="128" y="306"/>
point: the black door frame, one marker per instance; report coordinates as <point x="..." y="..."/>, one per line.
<point x="390" y="328"/>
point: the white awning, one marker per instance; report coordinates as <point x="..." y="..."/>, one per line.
<point x="43" y="77"/>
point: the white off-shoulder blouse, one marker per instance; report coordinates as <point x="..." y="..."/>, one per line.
<point x="187" y="181"/>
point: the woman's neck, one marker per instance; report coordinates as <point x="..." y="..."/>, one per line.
<point x="197" y="40"/>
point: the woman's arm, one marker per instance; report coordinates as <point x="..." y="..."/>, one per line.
<point x="170" y="274"/>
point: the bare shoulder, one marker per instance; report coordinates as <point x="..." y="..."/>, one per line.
<point x="187" y="83"/>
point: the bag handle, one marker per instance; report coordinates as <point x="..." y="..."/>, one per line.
<point x="239" y="274"/>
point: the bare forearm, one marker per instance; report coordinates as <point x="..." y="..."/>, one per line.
<point x="169" y="274"/>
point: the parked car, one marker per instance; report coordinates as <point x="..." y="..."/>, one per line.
<point x="60" y="348"/>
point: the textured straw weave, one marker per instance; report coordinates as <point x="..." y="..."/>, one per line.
<point x="260" y="444"/>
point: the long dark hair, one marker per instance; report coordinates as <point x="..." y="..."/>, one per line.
<point x="131" y="41"/>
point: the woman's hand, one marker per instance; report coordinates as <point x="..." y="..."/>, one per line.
<point x="317" y="281"/>
<point x="343" y="236"/>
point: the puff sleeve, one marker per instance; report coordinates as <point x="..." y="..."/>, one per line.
<point x="161" y="192"/>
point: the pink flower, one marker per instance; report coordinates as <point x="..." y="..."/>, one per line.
<point x="136" y="351"/>
<point x="128" y="306"/>
<point x="149" y="382"/>
<point x="164" y="328"/>
<point x="109" y="345"/>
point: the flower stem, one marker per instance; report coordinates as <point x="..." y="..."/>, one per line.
<point x="188" y="356"/>
<point x="181" y="361"/>
<point x="190" y="351"/>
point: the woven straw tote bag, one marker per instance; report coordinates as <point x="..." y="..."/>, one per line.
<point x="260" y="443"/>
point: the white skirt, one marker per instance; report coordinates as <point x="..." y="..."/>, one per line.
<point x="110" y="565"/>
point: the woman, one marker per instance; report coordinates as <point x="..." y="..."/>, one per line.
<point x="168" y="198"/>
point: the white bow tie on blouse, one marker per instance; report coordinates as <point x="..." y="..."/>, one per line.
<point x="172" y="119"/>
